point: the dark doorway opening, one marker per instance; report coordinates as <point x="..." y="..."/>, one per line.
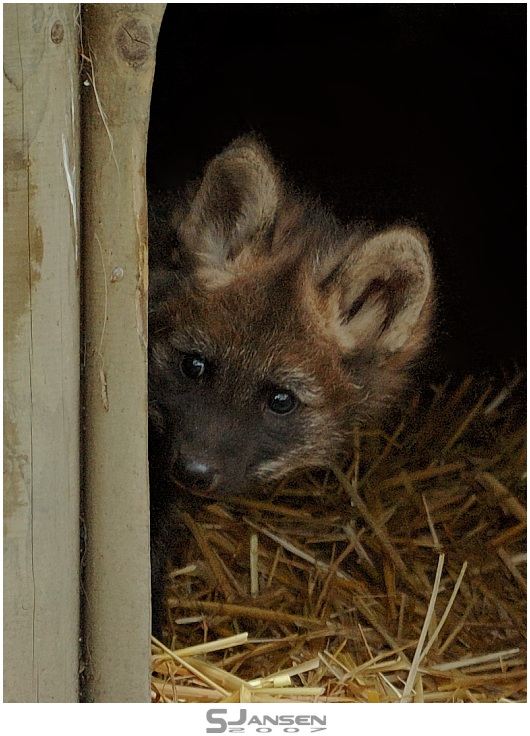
<point x="387" y="112"/>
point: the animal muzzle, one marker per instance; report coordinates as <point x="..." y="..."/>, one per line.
<point x="196" y="472"/>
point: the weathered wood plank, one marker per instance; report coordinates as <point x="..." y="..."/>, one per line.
<point x="41" y="341"/>
<point x="119" y="43"/>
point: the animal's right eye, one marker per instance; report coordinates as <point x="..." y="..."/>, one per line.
<point x="192" y="366"/>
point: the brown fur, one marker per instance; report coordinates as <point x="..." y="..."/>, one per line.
<point x="277" y="303"/>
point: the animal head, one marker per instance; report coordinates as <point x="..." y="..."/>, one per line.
<point x="275" y="331"/>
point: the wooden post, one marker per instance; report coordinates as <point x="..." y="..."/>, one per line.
<point x="41" y="343"/>
<point x="119" y="45"/>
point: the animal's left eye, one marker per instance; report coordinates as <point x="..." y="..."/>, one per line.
<point x="281" y="402"/>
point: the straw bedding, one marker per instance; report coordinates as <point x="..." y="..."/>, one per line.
<point x="400" y="576"/>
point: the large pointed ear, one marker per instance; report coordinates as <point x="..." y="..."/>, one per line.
<point x="235" y="203"/>
<point x="380" y="294"/>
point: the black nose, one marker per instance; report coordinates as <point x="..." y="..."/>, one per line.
<point x="196" y="472"/>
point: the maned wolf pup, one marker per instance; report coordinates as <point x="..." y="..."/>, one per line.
<point x="273" y="333"/>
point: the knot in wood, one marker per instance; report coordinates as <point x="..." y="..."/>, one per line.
<point x="134" y="41"/>
<point x="57" y="32"/>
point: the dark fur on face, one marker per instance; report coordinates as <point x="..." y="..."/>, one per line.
<point x="273" y="332"/>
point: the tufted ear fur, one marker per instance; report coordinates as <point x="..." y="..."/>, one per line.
<point x="380" y="294"/>
<point x="235" y="204"/>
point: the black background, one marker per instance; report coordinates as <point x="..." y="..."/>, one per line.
<point x="388" y="112"/>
